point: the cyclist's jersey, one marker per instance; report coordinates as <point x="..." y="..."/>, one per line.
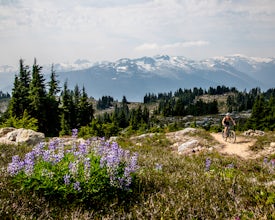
<point x="226" y="122"/>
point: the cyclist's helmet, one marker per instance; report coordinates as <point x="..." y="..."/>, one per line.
<point x="227" y="114"/>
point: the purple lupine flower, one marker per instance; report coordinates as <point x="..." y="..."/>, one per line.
<point x="38" y="149"/>
<point x="230" y="166"/>
<point x="77" y="186"/>
<point x="46" y="155"/>
<point x="88" y="142"/>
<point x="16" y="165"/>
<point x="73" y="168"/>
<point x="57" y="157"/>
<point x="66" y="179"/>
<point x="265" y="160"/>
<point x="158" y="167"/>
<point x="83" y="149"/>
<point x="272" y="162"/>
<point x="87" y="168"/>
<point x="53" y="145"/>
<point x="207" y="164"/>
<point x="29" y="162"/>
<point x="127" y="176"/>
<point x="74" y="133"/>
<point x="134" y="162"/>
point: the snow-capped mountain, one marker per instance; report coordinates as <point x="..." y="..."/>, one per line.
<point x="136" y="77"/>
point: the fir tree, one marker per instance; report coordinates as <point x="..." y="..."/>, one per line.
<point x="20" y="92"/>
<point x="37" y="97"/>
<point x="85" y="109"/>
<point x="52" y="109"/>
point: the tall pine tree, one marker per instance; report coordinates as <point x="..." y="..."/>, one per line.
<point x="52" y="106"/>
<point x="37" y="97"/>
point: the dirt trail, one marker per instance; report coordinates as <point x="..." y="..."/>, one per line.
<point x="239" y="148"/>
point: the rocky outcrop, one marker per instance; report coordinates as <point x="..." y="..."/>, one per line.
<point x="186" y="141"/>
<point x="251" y="132"/>
<point x="19" y="136"/>
<point x="192" y="144"/>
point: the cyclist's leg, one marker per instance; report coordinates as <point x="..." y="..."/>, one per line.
<point x="226" y="131"/>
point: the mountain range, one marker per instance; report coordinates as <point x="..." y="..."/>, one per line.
<point x="136" y="77"/>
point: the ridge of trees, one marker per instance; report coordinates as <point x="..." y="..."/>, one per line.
<point x="4" y="95"/>
<point x="45" y="107"/>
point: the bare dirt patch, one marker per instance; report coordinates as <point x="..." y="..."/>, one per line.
<point x="240" y="148"/>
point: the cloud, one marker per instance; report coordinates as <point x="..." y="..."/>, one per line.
<point x="154" y="46"/>
<point x="110" y="29"/>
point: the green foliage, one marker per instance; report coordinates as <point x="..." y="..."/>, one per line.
<point x="26" y="122"/>
<point x="105" y="102"/>
<point x="263" y="114"/>
<point x="30" y="93"/>
<point x="91" y="172"/>
<point x="48" y="179"/>
<point x="168" y="186"/>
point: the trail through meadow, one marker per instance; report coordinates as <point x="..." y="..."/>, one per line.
<point x="239" y="148"/>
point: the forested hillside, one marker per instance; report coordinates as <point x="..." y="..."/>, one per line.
<point x="45" y="107"/>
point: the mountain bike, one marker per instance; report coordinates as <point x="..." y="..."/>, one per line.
<point x="230" y="136"/>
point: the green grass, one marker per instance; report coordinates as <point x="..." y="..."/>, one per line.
<point x="182" y="189"/>
<point x="263" y="142"/>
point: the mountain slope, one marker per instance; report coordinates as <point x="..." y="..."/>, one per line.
<point x="135" y="77"/>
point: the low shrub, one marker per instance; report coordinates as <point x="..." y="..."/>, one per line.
<point x="90" y="171"/>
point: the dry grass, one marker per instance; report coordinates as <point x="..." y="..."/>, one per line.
<point x="180" y="189"/>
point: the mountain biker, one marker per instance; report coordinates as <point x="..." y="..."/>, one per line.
<point x="226" y="122"/>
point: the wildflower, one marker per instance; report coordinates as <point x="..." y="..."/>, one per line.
<point x="47" y="155"/>
<point x="52" y="145"/>
<point x="230" y="166"/>
<point x="87" y="167"/>
<point x="38" y="149"/>
<point x="73" y="168"/>
<point x="83" y="149"/>
<point x="74" y="133"/>
<point x="29" y="162"/>
<point x="272" y="162"/>
<point x="265" y="160"/>
<point x="16" y="165"/>
<point x="207" y="164"/>
<point x="158" y="167"/>
<point x="77" y="186"/>
<point x="67" y="179"/>
<point x="57" y="157"/>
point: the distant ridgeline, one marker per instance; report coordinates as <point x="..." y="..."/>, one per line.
<point x="55" y="111"/>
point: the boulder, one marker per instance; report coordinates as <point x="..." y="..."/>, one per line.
<point x="186" y="131"/>
<point x="189" y="144"/>
<point x="4" y="131"/>
<point x="272" y="144"/>
<point x="251" y="132"/>
<point x="21" y="135"/>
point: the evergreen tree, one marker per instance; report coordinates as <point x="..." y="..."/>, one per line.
<point x="65" y="110"/>
<point x="258" y="114"/>
<point x="52" y="109"/>
<point x="20" y="92"/>
<point x="85" y="109"/>
<point x="37" y="97"/>
<point x="54" y="89"/>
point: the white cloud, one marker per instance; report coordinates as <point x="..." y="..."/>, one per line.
<point x="56" y="31"/>
<point x="154" y="46"/>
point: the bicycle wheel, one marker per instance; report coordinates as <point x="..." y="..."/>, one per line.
<point x="231" y="137"/>
<point x="223" y="136"/>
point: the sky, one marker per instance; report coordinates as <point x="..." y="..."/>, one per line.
<point x="54" y="31"/>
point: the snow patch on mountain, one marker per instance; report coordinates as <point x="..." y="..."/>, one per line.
<point x="161" y="73"/>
